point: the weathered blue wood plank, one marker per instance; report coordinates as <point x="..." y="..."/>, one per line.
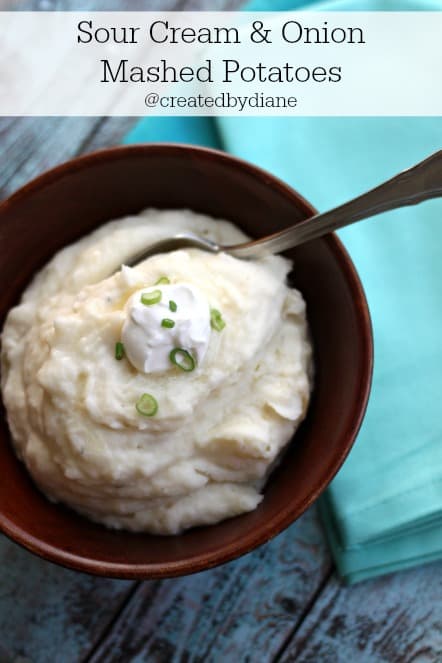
<point x="29" y="146"/>
<point x="394" y="619"/>
<point x="119" y="5"/>
<point x="242" y="611"/>
<point x="48" y="613"/>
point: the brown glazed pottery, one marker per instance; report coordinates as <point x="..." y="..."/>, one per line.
<point x="73" y="199"/>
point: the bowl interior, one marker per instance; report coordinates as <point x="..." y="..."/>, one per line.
<point x="70" y="201"/>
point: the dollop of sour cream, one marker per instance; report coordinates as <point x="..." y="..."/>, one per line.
<point x="180" y="319"/>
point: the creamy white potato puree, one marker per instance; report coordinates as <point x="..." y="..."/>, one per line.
<point x="142" y="442"/>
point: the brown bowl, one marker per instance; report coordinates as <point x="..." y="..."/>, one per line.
<point x="71" y="200"/>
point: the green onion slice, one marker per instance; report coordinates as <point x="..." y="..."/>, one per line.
<point x="152" y="297"/>
<point x="182" y="359"/>
<point x="163" y="280"/>
<point x="147" y="405"/>
<point x="172" y="306"/>
<point x="168" y="323"/>
<point x="216" y="320"/>
<point x="119" y="350"/>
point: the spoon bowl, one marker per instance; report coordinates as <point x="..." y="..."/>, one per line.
<point x="410" y="187"/>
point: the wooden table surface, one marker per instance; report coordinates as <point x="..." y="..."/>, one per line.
<point x="283" y="602"/>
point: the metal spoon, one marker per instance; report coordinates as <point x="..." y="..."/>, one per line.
<point x="410" y="187"/>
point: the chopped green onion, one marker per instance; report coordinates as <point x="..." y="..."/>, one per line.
<point x="152" y="297"/>
<point x="172" y="306"/>
<point x="168" y="323"/>
<point x="182" y="359"/>
<point x="147" y="405"/>
<point x="162" y="280"/>
<point x="119" y="350"/>
<point x="216" y="320"/>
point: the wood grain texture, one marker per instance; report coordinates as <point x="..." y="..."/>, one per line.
<point x="242" y="611"/>
<point x="32" y="145"/>
<point x="121" y="5"/>
<point x="45" y="610"/>
<point x="393" y="619"/>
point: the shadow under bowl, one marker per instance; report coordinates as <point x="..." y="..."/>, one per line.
<point x="71" y="200"/>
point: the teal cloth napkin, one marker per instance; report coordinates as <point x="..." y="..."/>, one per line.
<point x="383" y="511"/>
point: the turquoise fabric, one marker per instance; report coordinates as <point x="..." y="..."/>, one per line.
<point x="383" y="511"/>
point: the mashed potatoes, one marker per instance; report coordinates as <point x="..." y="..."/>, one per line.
<point x="204" y="453"/>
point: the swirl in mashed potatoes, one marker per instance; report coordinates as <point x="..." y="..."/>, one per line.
<point x="204" y="453"/>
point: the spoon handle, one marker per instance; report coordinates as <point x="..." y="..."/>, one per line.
<point x="412" y="186"/>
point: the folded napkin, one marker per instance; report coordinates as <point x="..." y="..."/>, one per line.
<point x="383" y="511"/>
